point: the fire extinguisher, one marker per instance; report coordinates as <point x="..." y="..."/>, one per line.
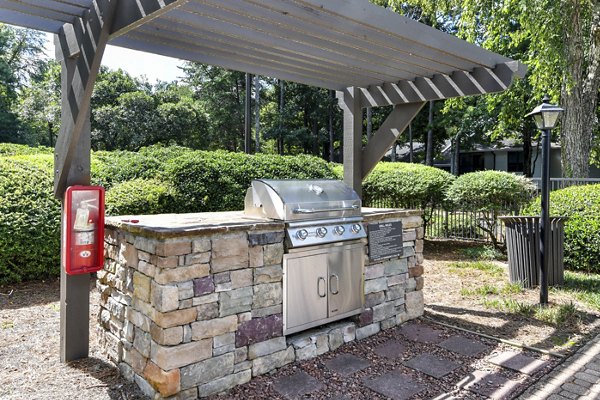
<point x="84" y="229"/>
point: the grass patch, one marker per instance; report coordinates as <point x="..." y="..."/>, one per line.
<point x="7" y="325"/>
<point x="460" y="267"/>
<point x="488" y="289"/>
<point x="585" y="287"/>
<point x="482" y="253"/>
<point x="480" y="291"/>
<point x="558" y="315"/>
<point x="512" y="288"/>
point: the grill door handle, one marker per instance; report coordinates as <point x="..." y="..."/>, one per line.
<point x="319" y="286"/>
<point x="337" y="284"/>
<point x="316" y="210"/>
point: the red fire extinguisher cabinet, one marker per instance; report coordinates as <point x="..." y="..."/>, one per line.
<point x="83" y="230"/>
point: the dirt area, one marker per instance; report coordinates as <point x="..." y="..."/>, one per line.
<point x="30" y="367"/>
<point x="29" y="337"/>
<point x="450" y="297"/>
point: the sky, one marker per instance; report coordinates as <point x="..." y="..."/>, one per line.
<point x="136" y="63"/>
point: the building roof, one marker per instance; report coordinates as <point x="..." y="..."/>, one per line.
<point x="332" y="44"/>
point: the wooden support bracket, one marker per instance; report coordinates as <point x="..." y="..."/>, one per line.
<point x="386" y="135"/>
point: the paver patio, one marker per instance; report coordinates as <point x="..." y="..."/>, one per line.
<point x="414" y="361"/>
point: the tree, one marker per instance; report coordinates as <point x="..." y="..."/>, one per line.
<point x="39" y="106"/>
<point x="20" y="51"/>
<point x="221" y="94"/>
<point x="559" y="41"/>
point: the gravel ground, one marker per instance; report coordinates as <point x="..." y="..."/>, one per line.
<point x="30" y="367"/>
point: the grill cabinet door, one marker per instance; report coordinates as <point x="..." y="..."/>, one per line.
<point x="345" y="279"/>
<point x="306" y="289"/>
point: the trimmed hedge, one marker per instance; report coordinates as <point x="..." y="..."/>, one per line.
<point x="140" y="196"/>
<point x="582" y="230"/>
<point x="217" y="181"/>
<point x="152" y="181"/>
<point x="12" y="149"/>
<point x="406" y="185"/>
<point x="490" y="191"/>
<point x="29" y="222"/>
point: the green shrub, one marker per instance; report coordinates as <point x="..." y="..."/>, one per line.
<point x="140" y="196"/>
<point x="491" y="193"/>
<point x="217" y="181"/>
<point x="29" y="221"/>
<point x="407" y="185"/>
<point x="582" y="230"/>
<point x="403" y="185"/>
<point x="12" y="149"/>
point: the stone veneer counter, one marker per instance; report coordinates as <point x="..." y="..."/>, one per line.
<point x="191" y="304"/>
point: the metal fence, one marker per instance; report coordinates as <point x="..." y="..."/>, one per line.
<point x="466" y="225"/>
<point x="561" y="183"/>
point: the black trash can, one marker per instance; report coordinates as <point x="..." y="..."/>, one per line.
<point x="523" y="246"/>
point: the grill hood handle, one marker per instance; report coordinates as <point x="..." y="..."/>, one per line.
<point x="315" y="211"/>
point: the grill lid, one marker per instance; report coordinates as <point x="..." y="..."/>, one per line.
<point x="293" y="200"/>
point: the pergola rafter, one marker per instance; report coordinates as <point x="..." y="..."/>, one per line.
<point x="371" y="56"/>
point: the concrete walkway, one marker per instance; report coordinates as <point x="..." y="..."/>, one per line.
<point x="578" y="377"/>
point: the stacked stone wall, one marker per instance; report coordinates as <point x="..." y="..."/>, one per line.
<point x="192" y="316"/>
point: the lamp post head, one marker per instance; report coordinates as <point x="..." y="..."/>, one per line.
<point x="545" y="115"/>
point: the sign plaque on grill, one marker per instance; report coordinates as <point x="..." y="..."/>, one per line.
<point x="385" y="240"/>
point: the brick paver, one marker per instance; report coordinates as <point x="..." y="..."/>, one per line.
<point x="577" y="378"/>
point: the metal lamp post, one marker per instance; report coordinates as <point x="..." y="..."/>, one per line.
<point x="545" y="117"/>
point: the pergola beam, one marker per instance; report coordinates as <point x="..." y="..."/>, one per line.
<point x="461" y="83"/>
<point x="386" y="135"/>
<point x="134" y="13"/>
<point x="84" y="40"/>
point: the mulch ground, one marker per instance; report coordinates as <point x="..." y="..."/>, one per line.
<point x="30" y="367"/>
<point x="445" y="303"/>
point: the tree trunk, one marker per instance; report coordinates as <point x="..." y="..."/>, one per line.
<point x="579" y="93"/>
<point x="411" y="149"/>
<point x="456" y="156"/>
<point x="281" y="112"/>
<point x="331" y="100"/>
<point x="527" y="170"/>
<point x="257" y="111"/>
<point x="429" y="155"/>
<point x="369" y="123"/>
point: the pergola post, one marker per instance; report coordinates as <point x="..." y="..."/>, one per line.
<point x="349" y="101"/>
<point x="79" y="48"/>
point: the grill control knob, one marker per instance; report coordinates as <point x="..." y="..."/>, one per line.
<point x="321" y="232"/>
<point x="356" y="228"/>
<point x="302" y="234"/>
<point x="339" y="230"/>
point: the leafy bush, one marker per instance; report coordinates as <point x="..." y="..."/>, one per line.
<point x="12" y="149"/>
<point x="491" y="193"/>
<point x="29" y="222"/>
<point x="140" y="196"/>
<point x="217" y="181"/>
<point x="406" y="185"/>
<point x="582" y="230"/>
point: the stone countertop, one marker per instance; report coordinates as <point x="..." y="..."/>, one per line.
<point x="176" y="225"/>
<point x="374" y="214"/>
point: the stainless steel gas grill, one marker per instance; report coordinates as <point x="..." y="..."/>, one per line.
<point x="324" y="260"/>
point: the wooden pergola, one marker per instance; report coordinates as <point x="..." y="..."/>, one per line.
<point x="371" y="56"/>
